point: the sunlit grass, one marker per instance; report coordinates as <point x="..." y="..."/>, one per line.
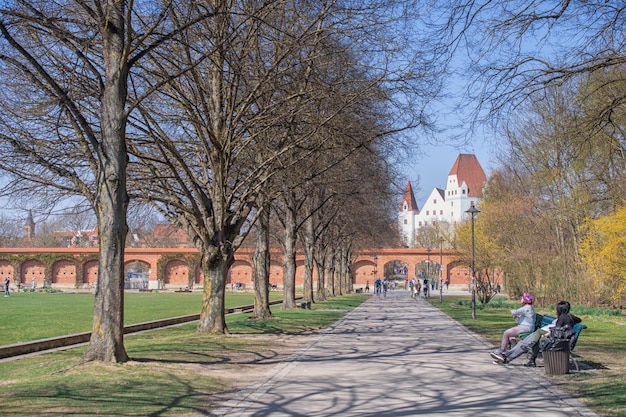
<point x="171" y="372"/>
<point x="39" y="315"/>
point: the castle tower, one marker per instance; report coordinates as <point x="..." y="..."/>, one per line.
<point x="465" y="185"/>
<point x="444" y="207"/>
<point x="29" y="226"/>
<point x="406" y="215"/>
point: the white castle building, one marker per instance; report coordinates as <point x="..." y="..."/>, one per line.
<point x="444" y="206"/>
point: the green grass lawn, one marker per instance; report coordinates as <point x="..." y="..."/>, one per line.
<point x="29" y="316"/>
<point x="171" y="372"/>
<point x="601" y="385"/>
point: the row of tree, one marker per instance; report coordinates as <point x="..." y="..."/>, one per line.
<point x="221" y="115"/>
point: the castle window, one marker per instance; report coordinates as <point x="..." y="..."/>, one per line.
<point x="463" y="191"/>
<point x="427" y="212"/>
<point x="435" y="201"/>
<point x="441" y="212"/>
<point x="405" y="222"/>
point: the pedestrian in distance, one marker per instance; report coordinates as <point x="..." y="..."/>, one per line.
<point x="525" y="318"/>
<point x="7" y="282"/>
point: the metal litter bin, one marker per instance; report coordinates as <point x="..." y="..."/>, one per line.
<point x="556" y="362"/>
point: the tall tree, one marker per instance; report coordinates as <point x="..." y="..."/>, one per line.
<point x="65" y="69"/>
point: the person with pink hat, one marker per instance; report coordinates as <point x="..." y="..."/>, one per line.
<point x="525" y="318"/>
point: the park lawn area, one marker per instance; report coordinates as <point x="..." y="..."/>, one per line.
<point x="601" y="348"/>
<point x="172" y="372"/>
<point x="30" y="316"/>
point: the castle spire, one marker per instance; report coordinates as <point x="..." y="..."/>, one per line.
<point x="29" y="226"/>
<point x="408" y="200"/>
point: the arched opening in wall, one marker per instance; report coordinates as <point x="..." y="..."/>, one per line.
<point x="430" y="271"/>
<point x="364" y="272"/>
<point x="460" y="276"/>
<point x="33" y="273"/>
<point x="64" y="273"/>
<point x="276" y="275"/>
<point x="90" y="273"/>
<point x="198" y="277"/>
<point x="136" y="275"/>
<point x="300" y="273"/>
<point x="397" y="270"/>
<point x="6" y="270"/>
<point x="239" y="274"/>
<point x="177" y="273"/>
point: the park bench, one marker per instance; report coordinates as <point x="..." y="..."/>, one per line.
<point x="542" y="320"/>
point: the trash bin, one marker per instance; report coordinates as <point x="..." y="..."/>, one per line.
<point x="556" y="362"/>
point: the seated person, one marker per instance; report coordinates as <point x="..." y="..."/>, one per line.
<point x="525" y="345"/>
<point x="525" y="317"/>
<point x="564" y="318"/>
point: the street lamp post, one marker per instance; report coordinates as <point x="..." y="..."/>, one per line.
<point x="473" y="211"/>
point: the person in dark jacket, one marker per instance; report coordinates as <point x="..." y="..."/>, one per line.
<point x="564" y="319"/>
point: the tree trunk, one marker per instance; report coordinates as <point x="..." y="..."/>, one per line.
<point x="331" y="272"/>
<point x="261" y="262"/>
<point x="289" y="266"/>
<point x="107" y="337"/>
<point x="309" y="239"/>
<point x="321" y="281"/>
<point x="215" y="265"/>
<point x="338" y="272"/>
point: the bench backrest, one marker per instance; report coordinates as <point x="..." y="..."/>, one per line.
<point x="546" y="320"/>
<point x="578" y="327"/>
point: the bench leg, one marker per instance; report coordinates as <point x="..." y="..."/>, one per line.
<point x="571" y="358"/>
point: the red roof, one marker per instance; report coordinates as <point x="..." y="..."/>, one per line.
<point x="467" y="169"/>
<point x="409" y="198"/>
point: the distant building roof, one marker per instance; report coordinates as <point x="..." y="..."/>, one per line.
<point x="467" y="169"/>
<point x="173" y="234"/>
<point x="409" y="197"/>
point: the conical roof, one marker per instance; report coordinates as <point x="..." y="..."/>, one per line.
<point x="409" y="198"/>
<point x="467" y="169"/>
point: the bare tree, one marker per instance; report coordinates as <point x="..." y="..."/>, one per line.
<point x="257" y="76"/>
<point x="65" y="69"/>
<point x="516" y="48"/>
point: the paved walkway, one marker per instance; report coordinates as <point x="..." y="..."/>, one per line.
<point x="395" y="356"/>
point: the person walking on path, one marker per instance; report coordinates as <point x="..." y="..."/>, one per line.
<point x="525" y="318"/>
<point x="7" y="281"/>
